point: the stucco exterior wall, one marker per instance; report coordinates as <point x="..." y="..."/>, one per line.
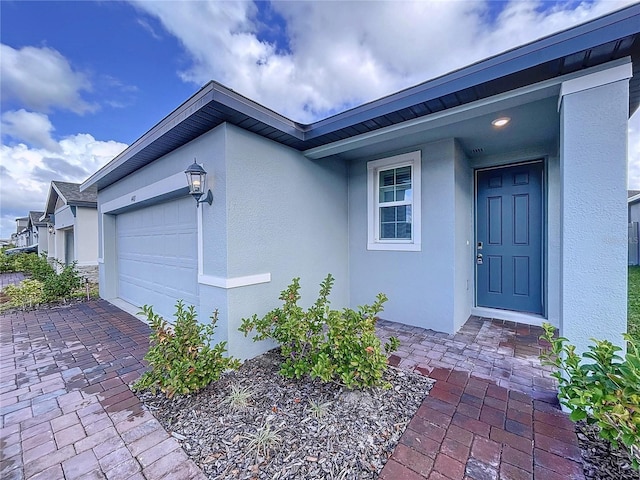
<point x="60" y="245"/>
<point x="86" y="242"/>
<point x="51" y="245"/>
<point x="287" y="216"/>
<point x="421" y="286"/>
<point x="64" y="218"/>
<point x="149" y="186"/>
<point x="464" y="238"/>
<point x="274" y="212"/>
<point x="86" y="236"/>
<point x="43" y="239"/>
<point x="593" y="163"/>
<point x="553" y="243"/>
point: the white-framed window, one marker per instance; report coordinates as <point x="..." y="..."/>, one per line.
<point x="393" y="203"/>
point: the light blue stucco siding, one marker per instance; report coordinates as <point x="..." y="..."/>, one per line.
<point x="464" y="246"/>
<point x="426" y="288"/>
<point x="164" y="181"/>
<point x="593" y="156"/>
<point x="287" y="216"/>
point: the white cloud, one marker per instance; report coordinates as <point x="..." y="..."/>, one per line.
<point x="41" y="79"/>
<point x="26" y="172"/>
<point x="30" y="127"/>
<point x="345" y="53"/>
<point x="342" y="54"/>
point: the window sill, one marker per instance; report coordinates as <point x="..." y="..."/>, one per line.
<point x="398" y="247"/>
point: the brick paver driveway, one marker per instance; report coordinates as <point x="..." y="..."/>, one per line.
<point x="66" y="411"/>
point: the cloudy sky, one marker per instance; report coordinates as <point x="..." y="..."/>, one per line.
<point x="82" y="80"/>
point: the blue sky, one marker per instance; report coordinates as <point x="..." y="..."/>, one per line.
<point x="81" y="80"/>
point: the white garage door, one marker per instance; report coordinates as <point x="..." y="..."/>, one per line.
<point x="157" y="255"/>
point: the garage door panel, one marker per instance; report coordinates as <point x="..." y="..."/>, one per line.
<point x="157" y="255"/>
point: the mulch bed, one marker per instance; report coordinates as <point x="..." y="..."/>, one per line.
<point x="601" y="460"/>
<point x="323" y="431"/>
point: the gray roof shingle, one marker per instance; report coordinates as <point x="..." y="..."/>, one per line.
<point x="72" y="195"/>
<point x="34" y="218"/>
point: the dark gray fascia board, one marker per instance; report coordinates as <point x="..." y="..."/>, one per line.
<point x="600" y="31"/>
<point x="212" y="93"/>
<point x="83" y="204"/>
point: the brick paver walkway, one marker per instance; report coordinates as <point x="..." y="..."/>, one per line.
<point x="492" y="413"/>
<point x="10" y="279"/>
<point x="66" y="411"/>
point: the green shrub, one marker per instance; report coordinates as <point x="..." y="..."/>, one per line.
<point x="324" y="343"/>
<point x="7" y="262"/>
<point x="62" y="286"/>
<point x="26" y="294"/>
<point x="604" y="389"/>
<point x="181" y="358"/>
<point x="37" y="266"/>
<point x="16" y="263"/>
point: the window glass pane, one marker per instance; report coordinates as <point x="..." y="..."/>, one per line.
<point x="387" y="194"/>
<point x="388" y="230"/>
<point x="407" y="215"/>
<point x="388" y="214"/>
<point x="404" y="230"/>
<point x="403" y="193"/>
<point x="403" y="176"/>
<point x="387" y="178"/>
<point x="395" y="222"/>
<point x="395" y="186"/>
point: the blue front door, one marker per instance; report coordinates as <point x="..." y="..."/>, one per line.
<point x="509" y="234"/>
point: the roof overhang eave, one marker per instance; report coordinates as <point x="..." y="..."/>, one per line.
<point x="212" y="93"/>
<point x="520" y="96"/>
<point x="601" y="31"/>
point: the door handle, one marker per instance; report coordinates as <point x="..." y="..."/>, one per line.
<point x="479" y="259"/>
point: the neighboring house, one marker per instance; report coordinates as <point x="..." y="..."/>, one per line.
<point x="37" y="231"/>
<point x="425" y="195"/>
<point x="22" y="237"/>
<point x="74" y="217"/>
<point x="633" y="207"/>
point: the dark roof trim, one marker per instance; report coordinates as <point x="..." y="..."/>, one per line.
<point x="600" y="31"/>
<point x="212" y="93"/>
<point x="599" y="41"/>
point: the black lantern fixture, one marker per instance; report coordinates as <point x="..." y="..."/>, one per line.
<point x="197" y="180"/>
<point x="51" y="230"/>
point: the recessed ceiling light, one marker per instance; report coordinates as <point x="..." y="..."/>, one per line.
<point x="500" y="122"/>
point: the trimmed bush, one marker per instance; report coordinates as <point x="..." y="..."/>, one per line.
<point x="599" y="387"/>
<point x="181" y="358"/>
<point x="335" y="346"/>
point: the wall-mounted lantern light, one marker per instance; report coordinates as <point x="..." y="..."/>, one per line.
<point x="51" y="230"/>
<point x="197" y="180"/>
